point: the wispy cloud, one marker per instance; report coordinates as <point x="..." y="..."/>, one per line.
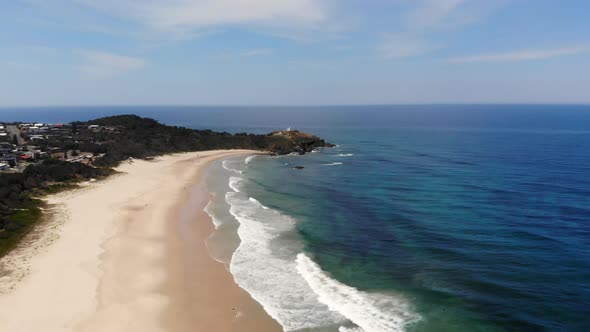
<point x="448" y="14"/>
<point x="104" y="64"/>
<point x="430" y="13"/>
<point x="396" y="47"/>
<point x="424" y="19"/>
<point x="523" y="55"/>
<point x="188" y="15"/>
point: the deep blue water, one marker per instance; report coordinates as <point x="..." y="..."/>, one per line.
<point x="478" y="217"/>
<point x="482" y="229"/>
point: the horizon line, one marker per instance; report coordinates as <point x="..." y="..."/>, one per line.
<point x="300" y="105"/>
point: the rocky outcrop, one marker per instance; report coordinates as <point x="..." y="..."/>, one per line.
<point x="294" y="141"/>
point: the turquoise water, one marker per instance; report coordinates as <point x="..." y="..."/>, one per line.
<point x="470" y="230"/>
<point x="424" y="218"/>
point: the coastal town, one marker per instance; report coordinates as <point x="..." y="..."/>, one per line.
<point x="23" y="144"/>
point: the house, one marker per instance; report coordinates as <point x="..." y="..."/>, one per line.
<point x="37" y="137"/>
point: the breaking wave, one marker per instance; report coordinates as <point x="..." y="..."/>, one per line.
<point x="255" y="201"/>
<point x="264" y="265"/>
<point x="249" y="159"/>
<point x="333" y="164"/>
<point x="209" y="210"/>
<point x="225" y="165"/>
<point x="371" y="312"/>
<point x="235" y="183"/>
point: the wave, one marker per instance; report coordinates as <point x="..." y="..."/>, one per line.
<point x="345" y="155"/>
<point x="371" y="312"/>
<point x="333" y="164"/>
<point x="249" y="159"/>
<point x="224" y="164"/>
<point x="255" y="201"/>
<point x="235" y="182"/>
<point x="264" y="264"/>
<point x="209" y="210"/>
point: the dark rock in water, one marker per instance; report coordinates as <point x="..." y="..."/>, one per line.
<point x="294" y="141"/>
<point x="298" y="167"/>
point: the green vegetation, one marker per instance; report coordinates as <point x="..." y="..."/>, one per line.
<point x="109" y="141"/>
<point x="19" y="223"/>
<point x="136" y="137"/>
<point x="18" y="210"/>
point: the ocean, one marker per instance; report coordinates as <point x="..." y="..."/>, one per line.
<point x="422" y="218"/>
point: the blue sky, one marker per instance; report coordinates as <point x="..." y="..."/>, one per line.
<point x="293" y="52"/>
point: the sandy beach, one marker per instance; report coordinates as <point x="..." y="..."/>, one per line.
<point x="127" y="254"/>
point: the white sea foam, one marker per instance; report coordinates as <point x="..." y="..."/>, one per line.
<point x="345" y="154"/>
<point x="264" y="265"/>
<point x="255" y="201"/>
<point x="209" y="210"/>
<point x="333" y="164"/>
<point x="249" y="159"/>
<point x="235" y="183"/>
<point x="371" y="312"/>
<point x="225" y="164"/>
<point x="350" y="329"/>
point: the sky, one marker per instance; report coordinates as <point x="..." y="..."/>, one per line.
<point x="293" y="52"/>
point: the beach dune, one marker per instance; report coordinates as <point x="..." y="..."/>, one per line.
<point x="128" y="254"/>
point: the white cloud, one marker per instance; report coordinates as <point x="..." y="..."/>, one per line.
<point x="521" y="55"/>
<point x="188" y="15"/>
<point x="104" y="64"/>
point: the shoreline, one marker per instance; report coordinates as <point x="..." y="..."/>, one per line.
<point x="130" y="255"/>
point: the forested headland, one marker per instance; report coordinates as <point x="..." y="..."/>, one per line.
<point x="108" y="141"/>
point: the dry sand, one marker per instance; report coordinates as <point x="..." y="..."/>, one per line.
<point x="128" y="254"/>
